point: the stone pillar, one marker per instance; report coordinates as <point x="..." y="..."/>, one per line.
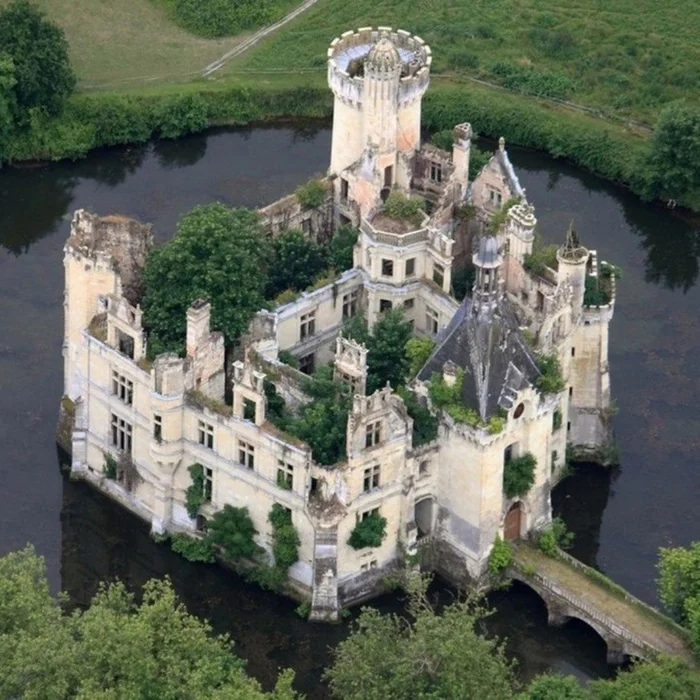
<point x="616" y="653"/>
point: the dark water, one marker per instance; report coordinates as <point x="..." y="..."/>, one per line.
<point x="620" y="518"/>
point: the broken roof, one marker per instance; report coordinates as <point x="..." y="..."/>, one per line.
<point x="486" y="342"/>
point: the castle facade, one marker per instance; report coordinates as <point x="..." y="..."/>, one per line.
<point x="444" y="500"/>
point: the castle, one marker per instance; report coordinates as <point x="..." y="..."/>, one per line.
<point x="444" y="500"/>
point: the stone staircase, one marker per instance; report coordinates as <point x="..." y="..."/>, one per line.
<point x="324" y="598"/>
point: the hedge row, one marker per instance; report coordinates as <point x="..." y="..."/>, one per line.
<point x="95" y="120"/>
<point x="106" y="119"/>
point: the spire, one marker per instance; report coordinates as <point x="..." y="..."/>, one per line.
<point x="383" y="57"/>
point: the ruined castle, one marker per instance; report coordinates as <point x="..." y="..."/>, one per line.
<point x="443" y="502"/>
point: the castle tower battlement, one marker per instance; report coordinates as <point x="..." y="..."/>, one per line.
<point x="378" y="77"/>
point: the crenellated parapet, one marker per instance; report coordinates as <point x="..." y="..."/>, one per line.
<point x="346" y="64"/>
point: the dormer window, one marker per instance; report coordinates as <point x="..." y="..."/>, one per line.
<point x="373" y="434"/>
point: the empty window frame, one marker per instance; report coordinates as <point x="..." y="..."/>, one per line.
<point x="246" y="454"/>
<point x="158" y="427"/>
<point x="385" y="305"/>
<point x="121" y="434"/>
<point x="122" y="388"/>
<point x="205" y="434"/>
<point x="438" y="275"/>
<point x="436" y="172"/>
<point x="410" y="267"/>
<point x="307" y="325"/>
<point x="387" y="267"/>
<point x="371" y="478"/>
<point x="373" y="434"/>
<point x="350" y="304"/>
<point x="431" y="320"/>
<point x="307" y="363"/>
<point x="285" y="475"/>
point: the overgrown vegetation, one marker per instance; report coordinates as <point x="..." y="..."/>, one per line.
<point x="598" y="289"/>
<point x="554" y="537"/>
<point x="232" y="530"/>
<point x="312" y="194"/>
<point x="550" y="380"/>
<point x="425" y="424"/>
<point x="499" y="218"/>
<point x="216" y="18"/>
<point x="194" y="495"/>
<point x="370" y="531"/>
<point x="285" y="538"/>
<point x="418" y="351"/>
<point x="401" y="208"/>
<point x="501" y="557"/>
<point x="193" y="548"/>
<point x="110" y="466"/>
<point x="519" y="475"/>
<point x="542" y="257"/>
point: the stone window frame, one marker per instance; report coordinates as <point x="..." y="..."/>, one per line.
<point x="350" y="304"/>
<point x="205" y="434"/>
<point x="360" y="517"/>
<point x="385" y="305"/>
<point x="122" y="388"/>
<point x="408" y="304"/>
<point x="388" y="268"/>
<point x="307" y="325"/>
<point x="250" y="408"/>
<point x="122" y="434"/>
<point x="208" y="485"/>
<point x="410" y="267"/>
<point x="439" y="274"/>
<point x="157" y="427"/>
<point x="285" y="474"/>
<point x="371" y="478"/>
<point x="373" y="433"/>
<point x="432" y="320"/>
<point x="435" y="171"/>
<point x="246" y="454"/>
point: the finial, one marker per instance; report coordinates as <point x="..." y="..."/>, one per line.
<point x="501" y="144"/>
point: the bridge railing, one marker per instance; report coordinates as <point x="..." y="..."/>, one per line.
<point x="607" y="622"/>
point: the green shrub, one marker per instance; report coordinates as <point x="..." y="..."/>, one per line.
<point x="519" y="475"/>
<point x="399" y="207"/>
<point x="311" y="195"/>
<point x="285" y="297"/>
<point x="194" y="495"/>
<point x="477" y="160"/>
<point x="501" y="557"/>
<point x="557" y="418"/>
<point x="550" y="380"/>
<point x="425" y="424"/>
<point x="192" y="548"/>
<point x="553" y="537"/>
<point x="541" y="258"/>
<point x="285" y="538"/>
<point x="287" y="358"/>
<point x="496" y="425"/>
<point x="269" y="578"/>
<point x="499" y="218"/>
<point x="232" y="530"/>
<point x="369" y="532"/>
<point x="443" y="139"/>
<point x="297" y="261"/>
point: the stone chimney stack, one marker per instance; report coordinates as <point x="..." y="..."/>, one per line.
<point x="198" y="320"/>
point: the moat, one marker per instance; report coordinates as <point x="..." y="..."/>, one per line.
<point x="620" y="518"/>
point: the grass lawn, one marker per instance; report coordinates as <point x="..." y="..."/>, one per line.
<point x="113" y="40"/>
<point x="624" y="57"/>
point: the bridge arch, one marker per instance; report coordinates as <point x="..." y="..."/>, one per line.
<point x="559" y="613"/>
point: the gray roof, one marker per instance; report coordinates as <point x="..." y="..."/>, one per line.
<point x="487" y="344"/>
<point x="509" y="171"/>
<point x="487" y="255"/>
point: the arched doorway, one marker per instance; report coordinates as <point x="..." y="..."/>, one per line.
<point x="424" y="517"/>
<point x="513" y="524"/>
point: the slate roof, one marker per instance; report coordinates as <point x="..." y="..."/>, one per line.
<point x="485" y="341"/>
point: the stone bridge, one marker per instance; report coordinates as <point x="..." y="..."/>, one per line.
<point x="571" y="589"/>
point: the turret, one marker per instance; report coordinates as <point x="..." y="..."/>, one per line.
<point x="487" y="261"/>
<point x="378" y="77"/>
<point x="572" y="258"/>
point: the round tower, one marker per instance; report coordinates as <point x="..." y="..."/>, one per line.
<point x="378" y="77"/>
<point x="572" y="258"/>
<point x="520" y="230"/>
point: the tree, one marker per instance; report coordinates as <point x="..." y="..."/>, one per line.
<point x="114" y="649"/>
<point x="554" y="687"/>
<point x="218" y="254"/>
<point x="679" y="577"/>
<point x="675" y="153"/>
<point x="434" y="656"/>
<point x="7" y="102"/>
<point x="387" y="358"/>
<point x="232" y="530"/>
<point x="664" y="679"/>
<point x="340" y="248"/>
<point x="39" y="52"/>
<point x="296" y="263"/>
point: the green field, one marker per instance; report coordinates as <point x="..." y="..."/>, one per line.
<point x="624" y="57"/>
<point x="120" y="40"/>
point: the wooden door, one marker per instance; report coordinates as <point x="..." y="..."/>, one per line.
<point x="512" y="526"/>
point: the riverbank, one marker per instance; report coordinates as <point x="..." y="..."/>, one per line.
<point x="94" y="120"/>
